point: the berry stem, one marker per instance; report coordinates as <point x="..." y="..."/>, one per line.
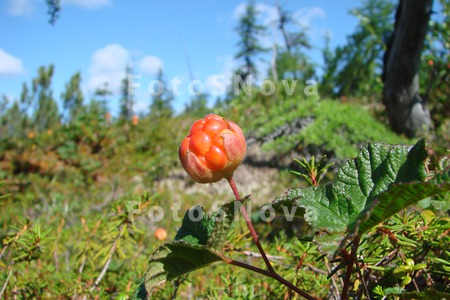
<point x="271" y="272"/>
<point x="250" y="225"/>
<point x="271" y="275"/>
<point x="352" y="260"/>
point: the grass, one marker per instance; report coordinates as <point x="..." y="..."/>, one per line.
<point x="67" y="193"/>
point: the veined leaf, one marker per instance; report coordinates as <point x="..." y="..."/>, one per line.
<point x="379" y="182"/>
<point x="393" y="200"/>
<point x="444" y="199"/>
<point x="196" y="227"/>
<point x="196" y="245"/>
<point x="175" y="259"/>
<point x="442" y="177"/>
<point x="223" y="221"/>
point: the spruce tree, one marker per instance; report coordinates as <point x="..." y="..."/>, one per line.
<point x="355" y="68"/>
<point x="72" y="97"/>
<point x="126" y="99"/>
<point x="162" y="98"/>
<point x="249" y="30"/>
<point x="198" y="106"/>
<point x="291" y="62"/>
<point x="46" y="112"/>
<point x="99" y="103"/>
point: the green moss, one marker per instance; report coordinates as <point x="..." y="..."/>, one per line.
<point x="333" y="126"/>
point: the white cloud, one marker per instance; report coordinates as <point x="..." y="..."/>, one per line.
<point x="305" y="16"/>
<point x="9" y="65"/>
<point x="28" y="7"/>
<point x="90" y="4"/>
<point x="267" y="16"/>
<point x="267" y="13"/>
<point x="108" y="66"/>
<point x="110" y="58"/>
<point x="150" y="65"/>
<point x="239" y="10"/>
<point x="21" y="7"/>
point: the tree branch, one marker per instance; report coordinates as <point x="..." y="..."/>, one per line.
<point x="6" y="283"/>
<point x="108" y="261"/>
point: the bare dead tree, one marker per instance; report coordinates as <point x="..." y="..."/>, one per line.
<point x="406" y="109"/>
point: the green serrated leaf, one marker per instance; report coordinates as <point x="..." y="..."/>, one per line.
<point x="442" y="201"/>
<point x="328" y="242"/>
<point x="429" y="294"/>
<point x="359" y="182"/>
<point x="379" y="182"/>
<point x="393" y="290"/>
<point x="285" y="207"/>
<point x="175" y="259"/>
<point x="223" y="221"/>
<point x="396" y="198"/>
<point x="140" y="293"/>
<point x="442" y="177"/>
<point x="196" y="227"/>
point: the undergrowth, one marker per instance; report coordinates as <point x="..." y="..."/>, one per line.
<point x="76" y="219"/>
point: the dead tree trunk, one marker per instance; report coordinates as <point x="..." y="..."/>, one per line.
<point x="406" y="110"/>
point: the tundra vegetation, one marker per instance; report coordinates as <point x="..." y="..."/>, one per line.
<point x="347" y="192"/>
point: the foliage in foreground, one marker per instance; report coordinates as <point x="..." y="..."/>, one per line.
<point x="68" y="190"/>
<point x="380" y="182"/>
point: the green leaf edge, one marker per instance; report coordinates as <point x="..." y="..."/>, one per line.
<point x="191" y="254"/>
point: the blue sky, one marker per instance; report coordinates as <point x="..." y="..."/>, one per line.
<point x="100" y="37"/>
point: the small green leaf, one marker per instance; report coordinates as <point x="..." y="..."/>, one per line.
<point x="196" y="227"/>
<point x="175" y="259"/>
<point x="393" y="291"/>
<point x="410" y="262"/>
<point x="427" y="217"/>
<point x="401" y="271"/>
<point x="420" y="266"/>
<point x="406" y="280"/>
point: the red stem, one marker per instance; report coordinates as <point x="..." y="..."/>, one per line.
<point x="271" y="275"/>
<point x="250" y="225"/>
<point x="348" y="274"/>
<point x="271" y="272"/>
